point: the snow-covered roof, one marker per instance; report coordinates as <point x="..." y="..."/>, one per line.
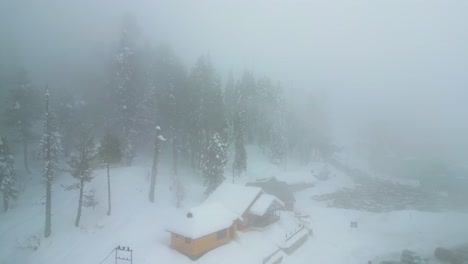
<point x="262" y="204"/>
<point x="277" y="188"/>
<point x="203" y="220"/>
<point x="235" y="197"/>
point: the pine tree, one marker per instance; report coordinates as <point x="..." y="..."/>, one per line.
<point x="49" y="151"/>
<point x="167" y="100"/>
<point x="214" y="162"/>
<point x="125" y="88"/>
<point x="240" y="155"/>
<point x="230" y="98"/>
<point x="89" y="199"/>
<point x="267" y="101"/>
<point x="7" y="173"/>
<point x="81" y="169"/>
<point x="154" y="170"/>
<point x="278" y="134"/>
<point x="147" y="107"/>
<point x="110" y="152"/>
<point x="23" y="111"/>
<point x="246" y="104"/>
<point x="207" y="113"/>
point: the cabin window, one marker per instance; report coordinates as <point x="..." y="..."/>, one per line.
<point x="188" y="240"/>
<point x="221" y="234"/>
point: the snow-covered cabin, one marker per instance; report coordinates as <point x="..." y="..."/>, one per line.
<point x="203" y="228"/>
<point x="214" y="223"/>
<point x="256" y="208"/>
<point x="265" y="211"/>
<point x="277" y="188"/>
<point x="237" y="198"/>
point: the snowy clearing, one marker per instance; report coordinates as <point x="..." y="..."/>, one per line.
<point x="141" y="226"/>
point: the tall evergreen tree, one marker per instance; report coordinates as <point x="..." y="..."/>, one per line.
<point x="230" y="101"/>
<point x="110" y="152"/>
<point x="154" y="170"/>
<point x="49" y="151"/>
<point x="7" y="173"/>
<point x="146" y="115"/>
<point x="207" y="113"/>
<point x="22" y="111"/>
<point x="81" y="169"/>
<point x="214" y="162"/>
<point x="240" y="155"/>
<point x="246" y="104"/>
<point x="278" y="133"/>
<point x="170" y="97"/>
<point x="126" y="84"/>
<point x="267" y="102"/>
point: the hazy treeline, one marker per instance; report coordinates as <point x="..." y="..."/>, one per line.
<point x="140" y="86"/>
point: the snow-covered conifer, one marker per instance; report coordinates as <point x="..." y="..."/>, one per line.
<point x="278" y="135"/>
<point x="50" y="145"/>
<point x="110" y="152"/>
<point x="81" y="167"/>
<point x="158" y="138"/>
<point x="207" y="113"/>
<point x="240" y="155"/>
<point x="7" y="174"/>
<point x="213" y="162"/>
<point x="22" y="111"/>
<point x="247" y="105"/>
<point x="125" y="88"/>
<point x="49" y="151"/>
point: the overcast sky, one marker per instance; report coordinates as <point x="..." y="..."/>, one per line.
<point x="401" y="62"/>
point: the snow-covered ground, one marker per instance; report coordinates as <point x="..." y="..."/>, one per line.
<point x="141" y="225"/>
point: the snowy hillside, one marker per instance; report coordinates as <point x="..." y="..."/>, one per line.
<point x="141" y="226"/>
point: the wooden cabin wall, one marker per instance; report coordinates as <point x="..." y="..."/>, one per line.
<point x="201" y="245"/>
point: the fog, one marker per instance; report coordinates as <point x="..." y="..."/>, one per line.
<point x="399" y="65"/>
<point x="259" y="122"/>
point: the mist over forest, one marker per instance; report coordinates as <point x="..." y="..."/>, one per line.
<point x="399" y="74"/>
<point x="383" y="82"/>
<point x="198" y="85"/>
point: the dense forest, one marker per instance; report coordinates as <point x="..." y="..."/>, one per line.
<point x="144" y="102"/>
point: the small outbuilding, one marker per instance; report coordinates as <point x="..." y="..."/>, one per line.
<point x="279" y="189"/>
<point x="204" y="228"/>
<point x="265" y="211"/>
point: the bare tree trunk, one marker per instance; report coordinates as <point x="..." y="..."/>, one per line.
<point x="154" y="169"/>
<point x="233" y="173"/>
<point x="80" y="203"/>
<point x="175" y="154"/>
<point x="192" y="158"/>
<point x="48" y="220"/>
<point x="152" y="186"/>
<point x="5" y="201"/>
<point x="25" y="155"/>
<point x="195" y="154"/>
<point x="108" y="190"/>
